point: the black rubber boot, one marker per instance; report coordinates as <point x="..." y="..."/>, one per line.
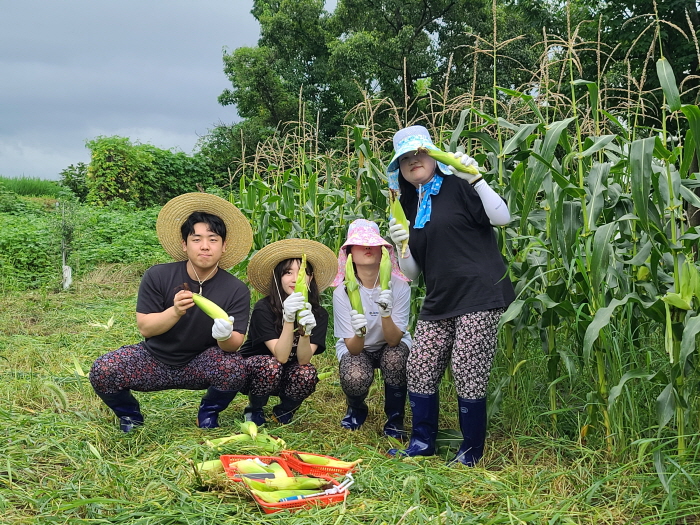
<point x="395" y="410"/>
<point x="254" y="411"/>
<point x="425" y="410"/>
<point x="126" y="408"/>
<point x="284" y="412"/>
<point x="356" y="414"/>
<point x="472" y="423"/>
<point x="213" y="402"/>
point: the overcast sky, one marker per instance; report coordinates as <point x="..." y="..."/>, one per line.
<point x="149" y="70"/>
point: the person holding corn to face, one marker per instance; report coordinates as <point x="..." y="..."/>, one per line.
<point x="451" y="212"/>
<point x="376" y="337"/>
<point x="286" y="328"/>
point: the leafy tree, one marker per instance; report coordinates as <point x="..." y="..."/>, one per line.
<point x="74" y="178"/>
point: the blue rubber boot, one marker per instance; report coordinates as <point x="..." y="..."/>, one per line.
<point x="126" y="408"/>
<point x="356" y="414"/>
<point x="254" y="411"/>
<point x="425" y="410"/>
<point x="472" y="422"/>
<point x="395" y="410"/>
<point x="213" y="402"/>
<point x="284" y="412"/>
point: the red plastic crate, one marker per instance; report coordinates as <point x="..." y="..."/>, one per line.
<point x="293" y="460"/>
<point x="327" y="499"/>
<point x="232" y="472"/>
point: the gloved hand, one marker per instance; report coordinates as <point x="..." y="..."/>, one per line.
<point x="307" y="319"/>
<point x="467" y="162"/>
<point x="397" y="232"/>
<point x="358" y="323"/>
<point x="222" y="329"/>
<point x="385" y="301"/>
<point x="291" y="306"/>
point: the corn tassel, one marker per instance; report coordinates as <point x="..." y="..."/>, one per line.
<point x="353" y="289"/>
<point x="450" y="160"/>
<point x="210" y="308"/>
<point x="302" y="286"/>
<point x="327" y="462"/>
<point x="396" y="212"/>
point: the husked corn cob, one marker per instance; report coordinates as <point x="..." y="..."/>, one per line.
<point x="396" y="212"/>
<point x="446" y="158"/>
<point x="210" y="308"/>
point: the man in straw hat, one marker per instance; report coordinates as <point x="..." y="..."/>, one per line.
<point x="279" y="348"/>
<point x="182" y="346"/>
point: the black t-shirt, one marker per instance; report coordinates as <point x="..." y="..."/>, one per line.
<point x="191" y="335"/>
<point x="263" y="328"/>
<point x="458" y="253"/>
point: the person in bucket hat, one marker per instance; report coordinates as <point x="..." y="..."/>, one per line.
<point x="377" y="338"/>
<point x="451" y="241"/>
<point x="182" y="346"/>
<point x="278" y="349"/>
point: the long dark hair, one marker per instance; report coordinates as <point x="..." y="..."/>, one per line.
<point x="277" y="295"/>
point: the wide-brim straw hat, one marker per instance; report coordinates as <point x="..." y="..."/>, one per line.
<point x="263" y="263"/>
<point x="239" y="234"/>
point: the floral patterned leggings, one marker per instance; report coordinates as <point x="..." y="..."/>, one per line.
<point x="267" y="376"/>
<point x="357" y="371"/>
<point x="133" y="367"/>
<point x="469" y="341"/>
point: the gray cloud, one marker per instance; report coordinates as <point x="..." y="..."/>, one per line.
<point x="150" y="70"/>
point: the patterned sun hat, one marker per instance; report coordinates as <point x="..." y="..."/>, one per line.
<point x="239" y="234"/>
<point x="410" y="139"/>
<point x="263" y="263"/>
<point x="362" y="232"/>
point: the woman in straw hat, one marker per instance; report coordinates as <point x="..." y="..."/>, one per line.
<point x="182" y="346"/>
<point x="278" y="349"/>
<point x="452" y="242"/>
<point x="377" y="338"/>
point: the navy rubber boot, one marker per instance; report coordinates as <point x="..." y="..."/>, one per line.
<point x="395" y="410"/>
<point x="472" y="423"/>
<point x="254" y="411"/>
<point x="425" y="410"/>
<point x="126" y="408"/>
<point x="213" y="402"/>
<point x="284" y="412"/>
<point x="356" y="414"/>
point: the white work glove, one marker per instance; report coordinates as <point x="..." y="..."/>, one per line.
<point x="307" y="319"/>
<point x="222" y="329"/>
<point x="385" y="301"/>
<point x="358" y="323"/>
<point x="397" y="232"/>
<point x="465" y="160"/>
<point x="291" y="306"/>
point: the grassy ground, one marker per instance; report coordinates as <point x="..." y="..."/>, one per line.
<point x="65" y="461"/>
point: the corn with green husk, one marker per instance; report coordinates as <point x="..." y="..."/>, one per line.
<point x="396" y="212"/>
<point x="210" y="308"/>
<point x="277" y="495"/>
<point x="213" y="466"/>
<point x="288" y="483"/>
<point x="384" y="272"/>
<point x="302" y="286"/>
<point x="326" y="461"/>
<point x="450" y="160"/>
<point x="352" y="288"/>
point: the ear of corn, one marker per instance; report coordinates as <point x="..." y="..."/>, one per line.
<point x="249" y="466"/>
<point x="277" y="470"/>
<point x="210" y="308"/>
<point x="211" y="467"/>
<point x="288" y="483"/>
<point x="249" y="428"/>
<point x="385" y="269"/>
<point x="352" y="288"/>
<point x="396" y="212"/>
<point x="448" y="159"/>
<point x="277" y="495"/>
<point x="325" y="461"/>
<point x="301" y="285"/>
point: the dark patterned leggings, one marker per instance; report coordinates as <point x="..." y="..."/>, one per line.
<point x="357" y="371"/>
<point x="268" y="377"/>
<point x="133" y="367"/>
<point x="469" y="341"/>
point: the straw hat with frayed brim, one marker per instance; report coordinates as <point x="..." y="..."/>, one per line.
<point x="239" y="234"/>
<point x="263" y="263"/>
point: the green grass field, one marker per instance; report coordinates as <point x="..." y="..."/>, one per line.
<point x="65" y="461"/>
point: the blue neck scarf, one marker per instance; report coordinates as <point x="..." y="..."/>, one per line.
<point x="424" y="202"/>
